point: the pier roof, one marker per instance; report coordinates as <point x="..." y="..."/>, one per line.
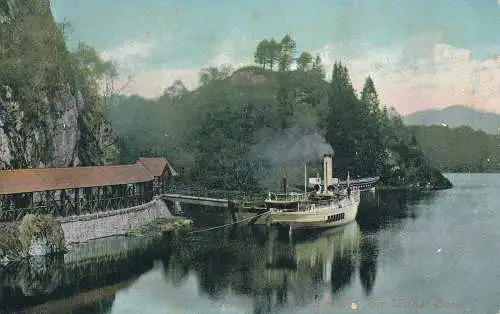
<point x="49" y="179"/>
<point x="156" y="165"/>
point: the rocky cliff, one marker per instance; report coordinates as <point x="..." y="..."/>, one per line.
<point x="49" y="115"/>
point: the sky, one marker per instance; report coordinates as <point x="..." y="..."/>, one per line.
<point x="420" y="53"/>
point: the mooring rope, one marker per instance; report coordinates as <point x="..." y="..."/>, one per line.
<point x="229" y="224"/>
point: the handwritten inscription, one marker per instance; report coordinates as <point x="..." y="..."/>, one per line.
<point x="438" y="303"/>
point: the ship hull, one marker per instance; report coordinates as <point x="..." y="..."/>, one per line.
<point x="331" y="215"/>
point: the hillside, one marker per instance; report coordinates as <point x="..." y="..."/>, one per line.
<point x="459" y="149"/>
<point x="51" y="113"/>
<point x="246" y="128"/>
<point x="455" y="116"/>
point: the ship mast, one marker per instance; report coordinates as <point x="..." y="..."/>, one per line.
<point x="305" y="178"/>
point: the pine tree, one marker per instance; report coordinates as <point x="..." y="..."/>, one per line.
<point x="304" y="61"/>
<point x="260" y="56"/>
<point x="286" y="55"/>
<point x="374" y="126"/>
<point x="342" y="122"/>
<point x="272" y="52"/>
<point x="317" y="67"/>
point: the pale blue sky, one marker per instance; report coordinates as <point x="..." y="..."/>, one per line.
<point x="185" y="30"/>
<point x="191" y="33"/>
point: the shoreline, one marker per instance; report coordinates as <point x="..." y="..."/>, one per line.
<point x="162" y="226"/>
<point x="11" y="251"/>
<point x="411" y="188"/>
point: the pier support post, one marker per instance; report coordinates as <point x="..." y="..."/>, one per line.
<point x="232" y="208"/>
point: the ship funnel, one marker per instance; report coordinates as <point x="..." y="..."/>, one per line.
<point x="327" y="170"/>
<point x="284" y="182"/>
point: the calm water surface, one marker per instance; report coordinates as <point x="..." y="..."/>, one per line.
<point x="433" y="253"/>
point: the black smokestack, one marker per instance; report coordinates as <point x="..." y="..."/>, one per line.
<point x="284" y="182"/>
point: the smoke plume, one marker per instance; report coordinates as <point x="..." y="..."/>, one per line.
<point x="287" y="150"/>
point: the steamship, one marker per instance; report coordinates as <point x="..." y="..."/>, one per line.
<point x="329" y="205"/>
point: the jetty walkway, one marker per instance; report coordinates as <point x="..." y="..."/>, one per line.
<point x="208" y="197"/>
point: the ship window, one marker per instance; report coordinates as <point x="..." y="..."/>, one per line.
<point x="336" y="217"/>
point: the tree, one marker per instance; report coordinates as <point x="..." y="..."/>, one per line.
<point x="369" y="96"/>
<point x="261" y="53"/>
<point x="269" y="52"/>
<point x="344" y="128"/>
<point x="5" y="9"/>
<point x="304" y="61"/>
<point x="413" y="141"/>
<point x="376" y="139"/>
<point x="92" y="70"/>
<point x="176" y="90"/>
<point x="287" y="45"/>
<point x="212" y="73"/>
<point x="272" y="53"/>
<point x="317" y="67"/>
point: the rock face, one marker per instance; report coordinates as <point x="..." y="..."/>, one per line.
<point x="49" y="116"/>
<point x="49" y="142"/>
<point x="41" y="235"/>
<point x="36" y="235"/>
<point x="5" y="156"/>
<point x="10" y="246"/>
<point x="66" y="131"/>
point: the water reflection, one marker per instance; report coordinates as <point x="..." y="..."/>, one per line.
<point x="84" y="280"/>
<point x="368" y="264"/>
<point x="275" y="273"/>
<point x="388" y="208"/>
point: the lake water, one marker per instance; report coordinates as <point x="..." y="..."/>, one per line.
<point x="432" y="253"/>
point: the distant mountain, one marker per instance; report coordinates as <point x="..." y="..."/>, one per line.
<point x="455" y="116"/>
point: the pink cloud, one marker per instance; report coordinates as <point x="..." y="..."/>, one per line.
<point x="454" y="78"/>
<point x="426" y="74"/>
<point x="152" y="83"/>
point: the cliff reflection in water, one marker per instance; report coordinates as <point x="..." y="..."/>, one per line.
<point x="82" y="281"/>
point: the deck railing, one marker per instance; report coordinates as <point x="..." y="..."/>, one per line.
<point x="68" y="208"/>
<point x="289" y="197"/>
<point x="293" y="197"/>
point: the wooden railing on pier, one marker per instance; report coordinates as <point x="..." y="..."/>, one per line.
<point x="68" y="207"/>
<point x="212" y="197"/>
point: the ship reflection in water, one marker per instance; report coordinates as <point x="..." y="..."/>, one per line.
<point x="327" y="259"/>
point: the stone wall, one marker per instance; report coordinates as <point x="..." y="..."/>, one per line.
<point x="81" y="228"/>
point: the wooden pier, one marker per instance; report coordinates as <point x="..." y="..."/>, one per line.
<point x="197" y="200"/>
<point x="238" y="204"/>
<point x="215" y="198"/>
